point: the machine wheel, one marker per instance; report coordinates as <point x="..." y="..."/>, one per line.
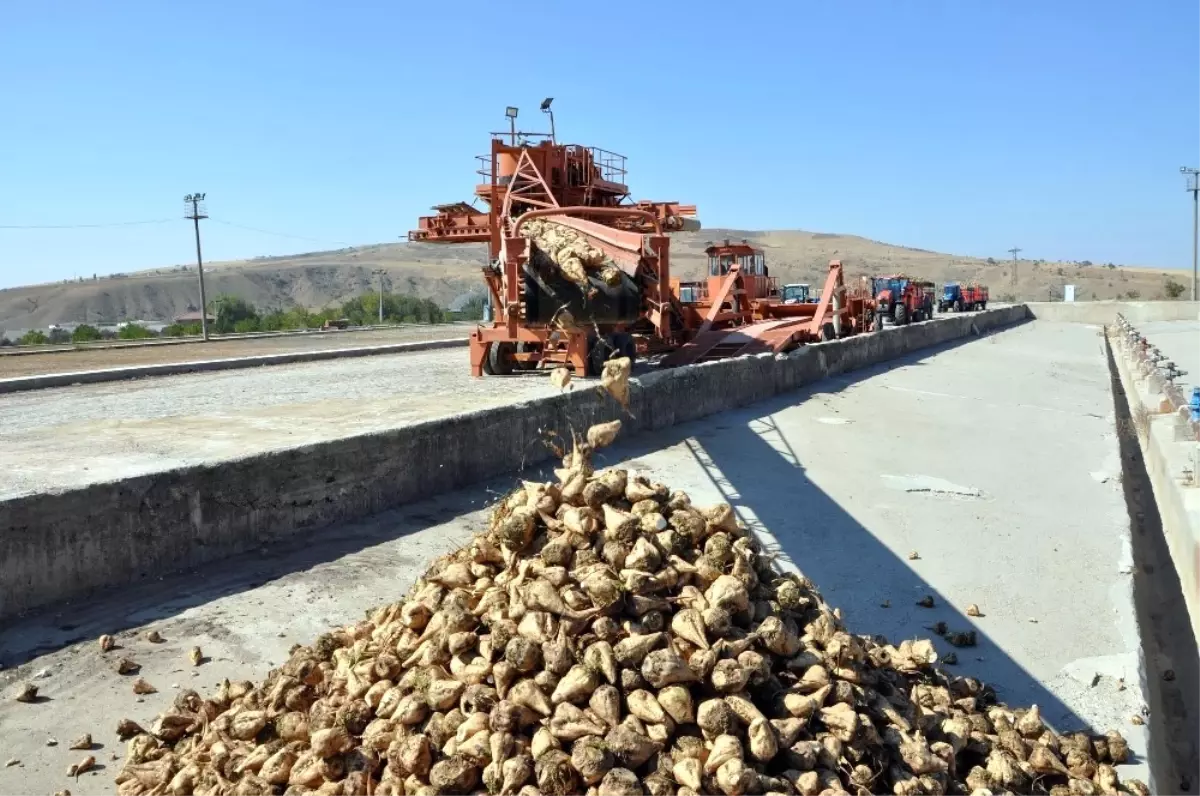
<point x="958" y="307"/>
<point x="877" y="323"/>
<point x="499" y="359"/>
<point x="983" y="305"/>
<point x="626" y="347"/>
<point x="598" y="351"/>
<point x="524" y="348"/>
<point x="487" y="362"/>
<point x="901" y="314"/>
<point x="827" y="333"/>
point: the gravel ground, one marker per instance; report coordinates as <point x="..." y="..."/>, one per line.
<point x="71" y="361"/>
<point x="72" y="436"/>
<point x="996" y="461"/>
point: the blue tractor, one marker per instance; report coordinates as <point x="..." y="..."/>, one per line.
<point x="958" y="298"/>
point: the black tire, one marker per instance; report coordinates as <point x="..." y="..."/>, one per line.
<point x="983" y="305"/>
<point x="500" y="358"/>
<point x="598" y="351"/>
<point x="827" y="332"/>
<point x="958" y="306"/>
<point x="877" y="323"/>
<point x="524" y="348"/>
<point x="626" y="347"/>
<point x="487" y="361"/>
<point x="901" y="314"/>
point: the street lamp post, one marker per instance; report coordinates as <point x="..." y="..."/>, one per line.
<point x="511" y="113"/>
<point x="1193" y="185"/>
<point x="195" y="209"/>
<point x="546" y="110"/>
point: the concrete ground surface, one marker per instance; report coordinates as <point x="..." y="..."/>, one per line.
<point x="995" y="461"/>
<point x="72" y="361"/>
<point x="72" y="436"/>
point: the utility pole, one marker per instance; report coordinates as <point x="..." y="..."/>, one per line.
<point x="379" y="272"/>
<point x="1014" y="251"/>
<point x="1193" y="185"/>
<point x="195" y="209"/>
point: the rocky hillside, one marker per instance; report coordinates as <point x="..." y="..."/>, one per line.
<point x="445" y="273"/>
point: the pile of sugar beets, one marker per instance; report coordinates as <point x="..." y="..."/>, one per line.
<point x="606" y="636"/>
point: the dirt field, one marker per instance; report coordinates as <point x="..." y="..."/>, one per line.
<point x="102" y="358"/>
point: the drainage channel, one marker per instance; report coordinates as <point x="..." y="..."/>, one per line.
<point x="1172" y="664"/>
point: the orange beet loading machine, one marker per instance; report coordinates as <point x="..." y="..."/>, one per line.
<point x="539" y="317"/>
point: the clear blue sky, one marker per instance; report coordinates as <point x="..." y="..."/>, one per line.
<point x="969" y="127"/>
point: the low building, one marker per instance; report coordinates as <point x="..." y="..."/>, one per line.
<point x="193" y="317"/>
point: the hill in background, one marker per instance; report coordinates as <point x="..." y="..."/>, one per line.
<point x="447" y="273"/>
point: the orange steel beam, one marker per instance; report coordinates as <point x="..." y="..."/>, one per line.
<point x="734" y="277"/>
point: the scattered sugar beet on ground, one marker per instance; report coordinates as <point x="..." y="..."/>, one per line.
<point x="605" y="636"/>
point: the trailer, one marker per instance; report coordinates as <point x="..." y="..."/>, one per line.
<point x="901" y="300"/>
<point x="962" y="298"/>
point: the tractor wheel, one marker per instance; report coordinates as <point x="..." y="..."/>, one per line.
<point x="983" y="305"/>
<point x="525" y="348"/>
<point x="877" y="322"/>
<point x="958" y="306"/>
<point x="599" y="349"/>
<point x="626" y="346"/>
<point x="827" y="333"/>
<point x="500" y="358"/>
<point x="901" y="314"/>
<point x="487" y="361"/>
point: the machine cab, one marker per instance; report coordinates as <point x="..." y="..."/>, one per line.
<point x="950" y="291"/>
<point x="751" y="263"/>
<point x="884" y="284"/>
<point x="797" y="294"/>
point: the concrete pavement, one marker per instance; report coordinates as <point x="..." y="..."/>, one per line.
<point x="995" y="461"/>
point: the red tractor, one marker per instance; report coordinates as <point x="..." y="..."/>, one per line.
<point x="901" y="299"/>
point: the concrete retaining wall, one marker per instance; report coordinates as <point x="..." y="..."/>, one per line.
<point x="1166" y="453"/>
<point x="60" y="546"/>
<point x="47" y="380"/>
<point x="1105" y="312"/>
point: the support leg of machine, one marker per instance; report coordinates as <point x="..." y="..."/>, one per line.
<point x="479" y="351"/>
<point x="577" y="354"/>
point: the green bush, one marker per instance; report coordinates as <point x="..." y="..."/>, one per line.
<point x="182" y="330"/>
<point x="472" y="310"/>
<point x="246" y="325"/>
<point x="33" y="337"/>
<point x="85" y="334"/>
<point x="397" y="308"/>
<point x="230" y="311"/>
<point x="134" y="331"/>
<point x="1173" y="289"/>
<point x="59" y="336"/>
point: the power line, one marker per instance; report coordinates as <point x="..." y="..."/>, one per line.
<point x="279" y="234"/>
<point x="85" y="226"/>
